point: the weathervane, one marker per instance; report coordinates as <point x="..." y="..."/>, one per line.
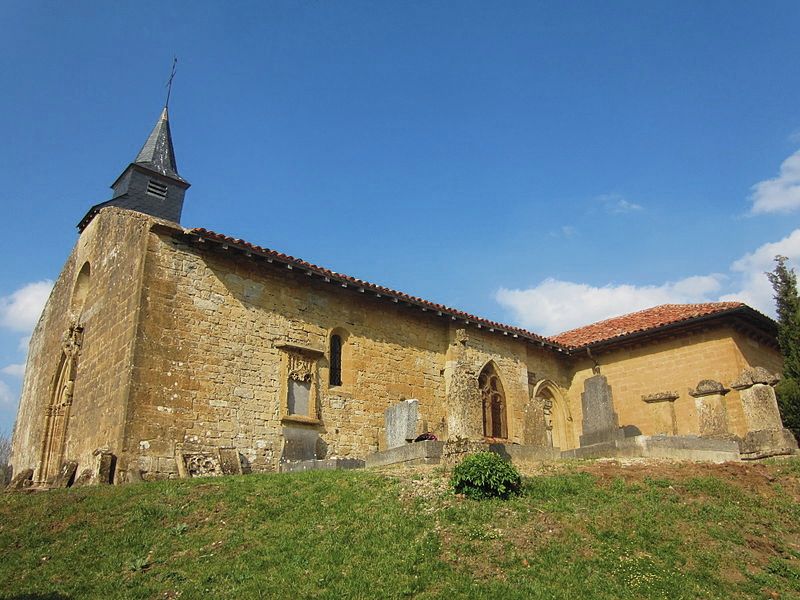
<point x="169" y="81"/>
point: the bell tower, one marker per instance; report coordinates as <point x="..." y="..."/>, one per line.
<point x="151" y="183"/>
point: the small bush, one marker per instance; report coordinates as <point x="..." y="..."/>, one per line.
<point x="486" y="475"/>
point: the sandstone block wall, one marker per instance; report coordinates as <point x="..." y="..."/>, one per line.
<point x="207" y="370"/>
<point x="208" y="364"/>
<point x="112" y="246"/>
<point x="675" y="365"/>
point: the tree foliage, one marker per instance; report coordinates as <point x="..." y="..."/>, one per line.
<point x="787" y="300"/>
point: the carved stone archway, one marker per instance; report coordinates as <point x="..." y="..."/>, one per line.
<point x="58" y="409"/>
<point x="557" y="417"/>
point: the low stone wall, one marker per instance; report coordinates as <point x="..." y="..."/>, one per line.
<point x="673" y="447"/>
<point x="418" y="453"/>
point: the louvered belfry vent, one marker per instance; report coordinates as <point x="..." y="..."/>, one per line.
<point x="159" y="190"/>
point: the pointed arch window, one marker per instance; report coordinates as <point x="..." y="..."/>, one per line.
<point x="494" y="403"/>
<point x="336" y="360"/>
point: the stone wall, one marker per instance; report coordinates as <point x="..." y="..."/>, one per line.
<point x="112" y="246"/>
<point x="209" y="367"/>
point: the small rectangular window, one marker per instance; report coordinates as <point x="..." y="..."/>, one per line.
<point x="336" y="360"/>
<point x="159" y="190"/>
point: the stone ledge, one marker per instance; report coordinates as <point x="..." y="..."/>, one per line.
<point x="660" y="397"/>
<point x="417" y="453"/>
<point x="520" y="454"/>
<point x="301" y="420"/>
<point x="289" y="347"/>
<point x="674" y="447"/>
<point x="767" y="442"/>
<point x="326" y="464"/>
<point x="708" y="387"/>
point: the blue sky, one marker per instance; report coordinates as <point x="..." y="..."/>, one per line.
<point x="542" y="164"/>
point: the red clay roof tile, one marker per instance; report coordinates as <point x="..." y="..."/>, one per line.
<point x="644" y="320"/>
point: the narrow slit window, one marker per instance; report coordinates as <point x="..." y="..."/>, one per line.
<point x="159" y="190"/>
<point x="336" y="360"/>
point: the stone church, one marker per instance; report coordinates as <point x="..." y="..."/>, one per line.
<point x="166" y="351"/>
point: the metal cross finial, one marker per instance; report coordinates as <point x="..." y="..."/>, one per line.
<point x="169" y="81"/>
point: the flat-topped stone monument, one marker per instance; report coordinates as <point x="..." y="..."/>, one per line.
<point x="401" y="421"/>
<point x="600" y="421"/>
<point x="712" y="414"/>
<point x="766" y="435"/>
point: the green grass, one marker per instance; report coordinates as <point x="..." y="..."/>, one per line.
<point x="366" y="535"/>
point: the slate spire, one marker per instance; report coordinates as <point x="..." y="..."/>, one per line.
<point x="151" y="183"/>
<point x="158" y="153"/>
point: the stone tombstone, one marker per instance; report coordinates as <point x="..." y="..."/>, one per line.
<point x="21" y="481"/>
<point x="229" y="461"/>
<point x="759" y="403"/>
<point x="400" y="422"/>
<point x="85" y="478"/>
<point x="106" y="464"/>
<point x="600" y="422"/>
<point x="66" y="475"/>
<point x="712" y="414"/>
<point x="299" y="443"/>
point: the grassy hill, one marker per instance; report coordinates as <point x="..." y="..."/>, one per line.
<point x="581" y="530"/>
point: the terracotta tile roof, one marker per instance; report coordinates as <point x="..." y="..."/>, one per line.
<point x="644" y="320"/>
<point x="380" y="291"/>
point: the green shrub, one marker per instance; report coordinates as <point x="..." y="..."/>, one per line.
<point x="486" y="475"/>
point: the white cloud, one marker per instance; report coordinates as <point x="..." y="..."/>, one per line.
<point x="7" y="397"/>
<point x="781" y="194"/>
<point x="754" y="287"/>
<point x="616" y="204"/>
<point x="20" y="310"/>
<point x="17" y="370"/>
<point x="566" y="231"/>
<point x="23" y="343"/>
<point x="553" y="305"/>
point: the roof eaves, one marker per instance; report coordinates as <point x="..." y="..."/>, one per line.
<point x="362" y="286"/>
<point x="92" y="212"/>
